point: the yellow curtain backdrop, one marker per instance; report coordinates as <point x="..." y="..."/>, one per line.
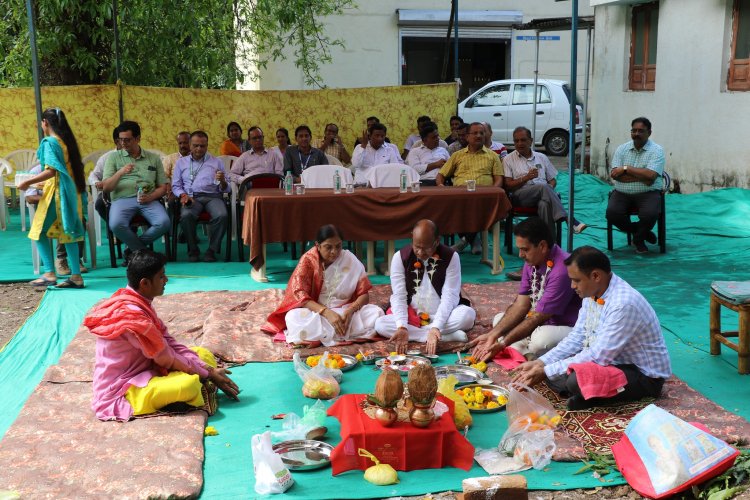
<point x="162" y="112"/>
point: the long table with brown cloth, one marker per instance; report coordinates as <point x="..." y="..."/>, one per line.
<point x="370" y="215"/>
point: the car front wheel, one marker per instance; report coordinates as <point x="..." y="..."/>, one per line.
<point x="556" y="143"/>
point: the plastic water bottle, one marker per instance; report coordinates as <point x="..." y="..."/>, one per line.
<point x="402" y="183"/>
<point x="288" y="183"/>
<point x="139" y="195"/>
<point x="337" y="182"/>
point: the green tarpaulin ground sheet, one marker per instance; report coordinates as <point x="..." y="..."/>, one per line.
<point x="708" y="237"/>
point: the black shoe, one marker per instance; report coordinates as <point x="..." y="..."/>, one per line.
<point x="181" y="238"/>
<point x="194" y="256"/>
<point x="514" y="275"/>
<point x="209" y="256"/>
<point x="640" y="247"/>
<point x="576" y="403"/>
<point x="650" y="237"/>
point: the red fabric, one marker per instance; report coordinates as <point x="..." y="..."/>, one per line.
<point x="509" y="358"/>
<point x="113" y="317"/>
<point x="402" y="445"/>
<point x="635" y="473"/>
<point x="597" y="381"/>
<point x="304" y="285"/>
<point x="412" y="316"/>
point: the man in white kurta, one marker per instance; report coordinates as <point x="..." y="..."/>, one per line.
<point x="426" y="304"/>
<point x="375" y="152"/>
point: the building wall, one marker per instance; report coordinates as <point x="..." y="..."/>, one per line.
<point x="371" y="36"/>
<point x="702" y="127"/>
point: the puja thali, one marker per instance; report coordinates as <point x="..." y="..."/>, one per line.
<point x="304" y="454"/>
<point x="350" y="361"/>
<point x="490" y="393"/>
<point x="464" y="374"/>
<point x="402" y="366"/>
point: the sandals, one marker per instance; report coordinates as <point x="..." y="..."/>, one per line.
<point x="69" y="283"/>
<point x="43" y="282"/>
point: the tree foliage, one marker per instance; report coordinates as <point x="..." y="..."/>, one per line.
<point x="173" y="43"/>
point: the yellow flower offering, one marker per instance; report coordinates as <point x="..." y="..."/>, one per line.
<point x="481" y="366"/>
<point x="210" y="431"/>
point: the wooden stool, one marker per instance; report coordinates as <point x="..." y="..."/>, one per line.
<point x="718" y="337"/>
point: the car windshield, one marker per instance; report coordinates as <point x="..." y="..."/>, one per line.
<point x="566" y="89"/>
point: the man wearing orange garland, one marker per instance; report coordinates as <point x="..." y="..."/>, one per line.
<point x="616" y="350"/>
<point x="426" y="305"/>
<point x="545" y="309"/>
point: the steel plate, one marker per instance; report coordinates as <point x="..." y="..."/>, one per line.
<point x="496" y="391"/>
<point x="403" y="368"/>
<point x="464" y="374"/>
<point x="302" y="455"/>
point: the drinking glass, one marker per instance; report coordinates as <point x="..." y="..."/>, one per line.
<point x="471" y="185"/>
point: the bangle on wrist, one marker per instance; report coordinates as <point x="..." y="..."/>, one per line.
<point x="501" y="341"/>
<point x="322" y="311"/>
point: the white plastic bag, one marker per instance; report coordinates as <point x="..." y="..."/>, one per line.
<point x="535" y="448"/>
<point x="271" y="475"/>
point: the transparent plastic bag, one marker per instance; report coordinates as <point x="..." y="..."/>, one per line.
<point x="293" y="427"/>
<point x="535" y="448"/>
<point x="527" y="411"/>
<point x="461" y="415"/>
<point x="271" y="475"/>
<point x="319" y="381"/>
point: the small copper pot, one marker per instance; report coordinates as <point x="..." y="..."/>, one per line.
<point x="421" y="415"/>
<point x="386" y="416"/>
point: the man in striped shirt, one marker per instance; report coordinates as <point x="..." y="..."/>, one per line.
<point x="616" y="350"/>
<point x="637" y="169"/>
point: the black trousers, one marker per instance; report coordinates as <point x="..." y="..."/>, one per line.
<point x="638" y="386"/>
<point x="648" y="205"/>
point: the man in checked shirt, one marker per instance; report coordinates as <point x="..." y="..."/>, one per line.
<point x="616" y="350"/>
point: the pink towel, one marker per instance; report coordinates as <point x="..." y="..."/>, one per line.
<point x="597" y="381"/>
<point x="509" y="358"/>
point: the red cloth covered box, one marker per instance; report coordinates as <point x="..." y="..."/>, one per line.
<point x="402" y="445"/>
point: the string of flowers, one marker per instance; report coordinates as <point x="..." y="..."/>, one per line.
<point x="431" y="267"/>
<point x="593" y="314"/>
<point x="537" y="288"/>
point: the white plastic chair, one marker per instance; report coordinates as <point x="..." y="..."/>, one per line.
<point x="21" y="160"/>
<point x="389" y="175"/>
<point x="321" y="176"/>
<point x="332" y="160"/>
<point x="5" y="170"/>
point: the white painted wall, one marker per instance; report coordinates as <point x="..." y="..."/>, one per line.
<point x="371" y="36"/>
<point x="702" y="127"/>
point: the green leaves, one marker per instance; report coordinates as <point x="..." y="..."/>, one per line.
<point x="171" y="43"/>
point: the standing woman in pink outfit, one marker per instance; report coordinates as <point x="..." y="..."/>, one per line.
<point x="59" y="213"/>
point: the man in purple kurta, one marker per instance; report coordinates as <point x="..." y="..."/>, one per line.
<point x="546" y="307"/>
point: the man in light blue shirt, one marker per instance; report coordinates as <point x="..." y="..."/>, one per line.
<point x="637" y="169"/>
<point x="199" y="182"/>
<point x="616" y="341"/>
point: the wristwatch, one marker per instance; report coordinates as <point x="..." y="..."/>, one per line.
<point x="625" y="169"/>
<point x="501" y="340"/>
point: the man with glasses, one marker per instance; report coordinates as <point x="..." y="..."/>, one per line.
<point x="256" y="160"/>
<point x="426" y="304"/>
<point x="128" y="172"/>
<point x="199" y="183"/>
<point x="637" y="169"/>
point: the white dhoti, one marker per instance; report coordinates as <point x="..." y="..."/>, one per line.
<point x="541" y="340"/>
<point x="303" y="325"/>
<point x="460" y="320"/>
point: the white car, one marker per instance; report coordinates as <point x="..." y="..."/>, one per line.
<point x="507" y="104"/>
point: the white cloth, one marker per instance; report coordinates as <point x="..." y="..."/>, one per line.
<point x="421" y="156"/>
<point x="321" y="176"/>
<point x="541" y="340"/>
<point x="441" y="144"/>
<point x="411" y="140"/>
<point x="389" y="175"/>
<point x="517" y="166"/>
<point x="339" y="284"/>
<point x="446" y="314"/>
<point x="366" y="158"/>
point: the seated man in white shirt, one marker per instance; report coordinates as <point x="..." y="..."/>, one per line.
<point x="428" y="157"/>
<point x="418" y="143"/>
<point x="409" y="144"/>
<point x="426" y="305"/>
<point x="257" y="159"/>
<point x="376" y="152"/>
<point x="530" y="180"/>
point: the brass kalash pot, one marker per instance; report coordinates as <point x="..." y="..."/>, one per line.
<point x="422" y="385"/>
<point x="388" y="392"/>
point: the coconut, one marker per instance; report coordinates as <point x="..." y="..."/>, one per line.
<point x="388" y="389"/>
<point x="422" y="384"/>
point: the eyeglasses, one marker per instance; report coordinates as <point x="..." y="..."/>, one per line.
<point x="126" y="140"/>
<point x="257" y="137"/>
<point x="638" y="131"/>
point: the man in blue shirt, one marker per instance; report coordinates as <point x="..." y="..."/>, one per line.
<point x="616" y="350"/>
<point x="198" y="182"/>
<point x="637" y="169"/>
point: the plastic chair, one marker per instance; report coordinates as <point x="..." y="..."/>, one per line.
<point x="389" y="175"/>
<point x="161" y="154"/>
<point x="258" y="181"/>
<point x="661" y="222"/>
<point x="228" y="161"/>
<point x="91" y="159"/>
<point x="332" y="160"/>
<point x="5" y="170"/>
<point x="204" y="218"/>
<point x="321" y="176"/>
